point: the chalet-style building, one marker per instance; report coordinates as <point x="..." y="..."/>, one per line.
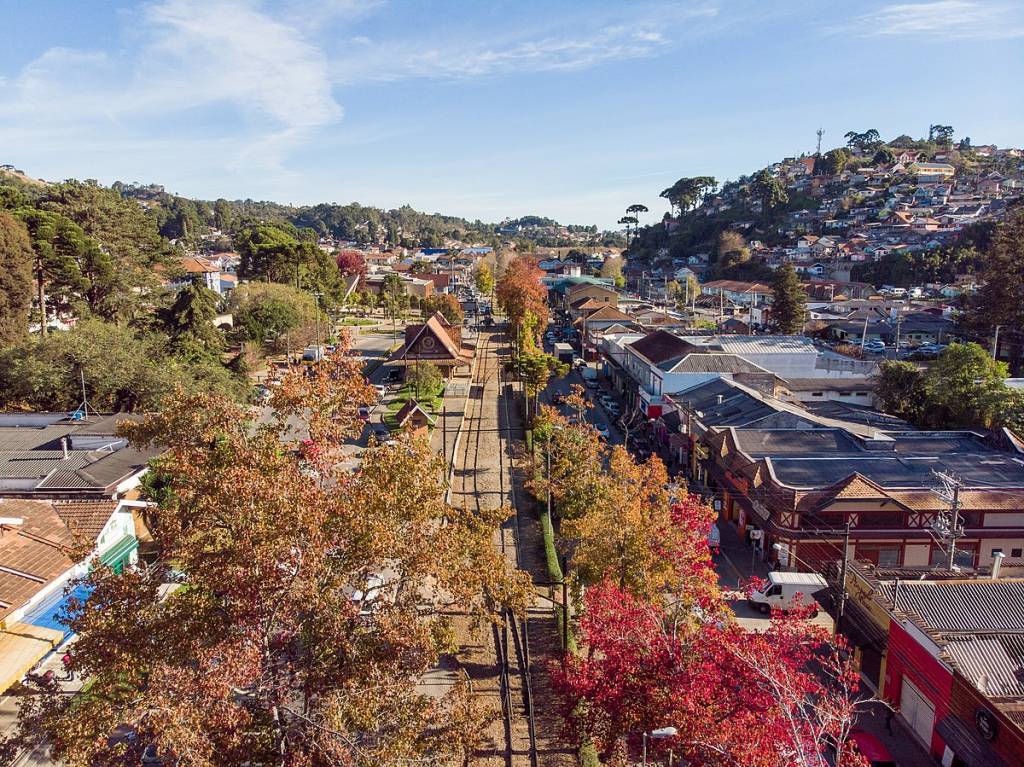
<point x="436" y="341"/>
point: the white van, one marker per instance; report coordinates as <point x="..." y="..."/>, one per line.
<point x="782" y="589"/>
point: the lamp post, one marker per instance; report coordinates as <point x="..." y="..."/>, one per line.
<point x="658" y="734"/>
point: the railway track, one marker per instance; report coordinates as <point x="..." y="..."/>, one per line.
<point x="483" y="481"/>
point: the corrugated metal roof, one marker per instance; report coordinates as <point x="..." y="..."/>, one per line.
<point x="960" y="606"/>
<point x="992" y="664"/>
<point x="744" y="345"/>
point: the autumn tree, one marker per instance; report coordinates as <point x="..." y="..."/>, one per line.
<point x="16" y="258"/>
<point x="445" y="303"/>
<point x="351" y="262"/>
<point x="780" y="698"/>
<point x="569" y="461"/>
<point x="789" y="301"/>
<point x="629" y="533"/>
<point x="314" y="602"/>
<point x="523" y="298"/>
<point x="612" y="269"/>
<point x="483" y="278"/>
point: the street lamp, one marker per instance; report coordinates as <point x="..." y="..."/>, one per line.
<point x="661" y="732"/>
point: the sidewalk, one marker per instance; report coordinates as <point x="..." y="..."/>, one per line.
<point x="739" y="557"/>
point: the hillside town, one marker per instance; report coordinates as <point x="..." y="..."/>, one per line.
<point x="602" y="465"/>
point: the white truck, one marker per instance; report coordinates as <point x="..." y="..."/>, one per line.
<point x="788" y="591"/>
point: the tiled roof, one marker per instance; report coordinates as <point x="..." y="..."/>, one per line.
<point x="31" y="554"/>
<point x="85" y="518"/>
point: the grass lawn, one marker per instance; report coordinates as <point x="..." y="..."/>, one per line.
<point x="431" y="402"/>
<point x="358" y="321"/>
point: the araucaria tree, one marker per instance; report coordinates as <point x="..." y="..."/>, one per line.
<point x="312" y="605"/>
<point x="16" y="259"/>
<point x="788" y="301"/>
<point x="770" y="191"/>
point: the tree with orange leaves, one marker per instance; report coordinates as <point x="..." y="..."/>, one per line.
<point x="523" y="298"/>
<point x="314" y="598"/>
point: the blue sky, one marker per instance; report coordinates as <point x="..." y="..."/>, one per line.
<point x="486" y="109"/>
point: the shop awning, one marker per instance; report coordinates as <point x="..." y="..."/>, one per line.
<point x="22" y="646"/>
<point x="969" y="747"/>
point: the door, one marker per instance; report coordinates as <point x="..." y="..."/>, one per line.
<point x="918" y="712"/>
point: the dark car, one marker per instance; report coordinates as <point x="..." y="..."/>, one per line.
<point x="558" y="398"/>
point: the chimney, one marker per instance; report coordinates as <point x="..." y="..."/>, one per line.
<point x="721" y="398"/>
<point x="997" y="564"/>
<point x="64" y="447"/>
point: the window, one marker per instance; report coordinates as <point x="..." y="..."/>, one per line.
<point x="964" y="557"/>
<point x="883" y="556"/>
<point x="876" y="519"/>
<point x="1016" y="553"/>
<point x="774" y="591"/>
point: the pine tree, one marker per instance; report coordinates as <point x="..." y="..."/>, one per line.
<point x="788" y="302"/>
<point x="16" y="258"/>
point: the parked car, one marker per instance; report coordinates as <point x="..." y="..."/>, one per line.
<point x="364" y="413"/>
<point x="558" y="398"/>
<point x="591" y="383"/>
<point x="394" y="376"/>
<point x="872" y="749"/>
<point x="602" y="430"/>
<point x="382" y="436"/>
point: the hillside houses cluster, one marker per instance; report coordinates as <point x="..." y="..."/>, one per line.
<point x="866" y="213"/>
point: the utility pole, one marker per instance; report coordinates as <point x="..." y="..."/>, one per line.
<point x="995" y="344"/>
<point x="843" y="569"/>
<point x="947" y="523"/>
<point x="899" y="319"/>
<point x="864" y="335"/>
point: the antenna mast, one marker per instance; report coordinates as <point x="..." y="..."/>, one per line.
<point x="821" y="132"/>
<point x="83" y="409"/>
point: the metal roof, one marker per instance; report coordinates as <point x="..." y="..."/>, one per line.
<point x="973" y="606"/>
<point x="993" y="664"/>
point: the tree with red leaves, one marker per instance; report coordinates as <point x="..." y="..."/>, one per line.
<point x="781" y="698"/>
<point x="351" y="262"/>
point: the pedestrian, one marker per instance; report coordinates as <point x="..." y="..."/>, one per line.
<point x="69" y="674"/>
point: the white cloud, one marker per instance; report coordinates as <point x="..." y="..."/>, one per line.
<point x="272" y="85"/>
<point x="943" y="20"/>
<point x="546" y="52"/>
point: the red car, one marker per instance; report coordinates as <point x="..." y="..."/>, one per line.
<point x="872" y="749"/>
